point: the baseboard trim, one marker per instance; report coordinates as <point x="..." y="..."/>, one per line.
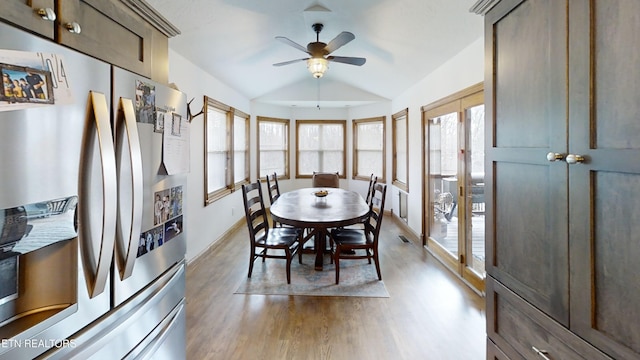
<point x="217" y="242"/>
<point x="415" y="237"/>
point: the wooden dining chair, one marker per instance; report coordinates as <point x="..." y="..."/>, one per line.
<point x="273" y="190"/>
<point x="372" y="183"/>
<point x="326" y="180"/>
<point x="373" y="180"/>
<point x="353" y="244"/>
<point x="273" y="187"/>
<point x="285" y="241"/>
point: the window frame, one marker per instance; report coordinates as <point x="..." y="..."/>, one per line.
<point x="342" y="174"/>
<point x="287" y="124"/>
<point x="355" y="123"/>
<point x="246" y="117"/>
<point x="402" y="115"/>
<point x="210" y="196"/>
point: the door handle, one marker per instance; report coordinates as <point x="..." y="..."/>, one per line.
<point x="47" y="14"/>
<point x="574" y="159"/>
<point x="97" y="261"/>
<point x="554" y="156"/>
<point x="127" y="239"/>
<point x="73" y="27"/>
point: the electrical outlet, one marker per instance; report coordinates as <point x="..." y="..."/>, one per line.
<point x="232" y="211"/>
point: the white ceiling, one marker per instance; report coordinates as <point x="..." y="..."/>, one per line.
<point x="402" y="40"/>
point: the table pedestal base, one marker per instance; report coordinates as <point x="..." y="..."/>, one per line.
<point x="321" y="245"/>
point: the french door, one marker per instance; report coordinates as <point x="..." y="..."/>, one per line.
<point x="453" y="130"/>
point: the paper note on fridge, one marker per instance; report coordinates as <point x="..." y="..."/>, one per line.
<point x="175" y="145"/>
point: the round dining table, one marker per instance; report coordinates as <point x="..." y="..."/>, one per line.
<point x="302" y="208"/>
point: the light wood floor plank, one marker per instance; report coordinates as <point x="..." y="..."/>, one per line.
<point x="430" y="314"/>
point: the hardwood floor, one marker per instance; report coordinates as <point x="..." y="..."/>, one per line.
<point x="430" y="313"/>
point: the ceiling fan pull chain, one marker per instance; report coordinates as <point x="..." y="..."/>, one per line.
<point x="318" y="92"/>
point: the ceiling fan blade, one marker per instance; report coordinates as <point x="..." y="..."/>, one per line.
<point x="290" y="62"/>
<point x="348" y="60"/>
<point x="340" y="40"/>
<point x="292" y="43"/>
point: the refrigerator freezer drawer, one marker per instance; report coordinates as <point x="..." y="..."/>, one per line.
<point x="167" y="341"/>
<point x="152" y="321"/>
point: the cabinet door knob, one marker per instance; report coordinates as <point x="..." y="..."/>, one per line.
<point x="543" y="353"/>
<point x="574" y="159"/>
<point x="554" y="156"/>
<point x="73" y="27"/>
<point x="47" y="14"/>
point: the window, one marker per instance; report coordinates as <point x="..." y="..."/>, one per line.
<point x="400" y="150"/>
<point x="320" y="147"/>
<point x="226" y="149"/>
<point x="368" y="148"/>
<point x="273" y="147"/>
<point x="240" y="148"/>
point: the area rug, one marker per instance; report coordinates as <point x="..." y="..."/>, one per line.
<point x="357" y="278"/>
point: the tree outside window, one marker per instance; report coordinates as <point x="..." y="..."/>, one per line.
<point x="273" y="147"/>
<point x="369" y="148"/>
<point x="320" y="147"/>
<point x="226" y="149"/>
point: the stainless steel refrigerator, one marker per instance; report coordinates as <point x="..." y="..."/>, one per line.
<point x="92" y="243"/>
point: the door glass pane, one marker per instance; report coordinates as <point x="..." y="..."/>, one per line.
<point x="443" y="182"/>
<point x="475" y="188"/>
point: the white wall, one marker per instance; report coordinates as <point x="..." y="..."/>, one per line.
<point x="207" y="224"/>
<point x="364" y="112"/>
<point x="462" y="71"/>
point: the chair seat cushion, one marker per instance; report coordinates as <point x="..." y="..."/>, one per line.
<point x="351" y="237"/>
<point x="279" y="237"/>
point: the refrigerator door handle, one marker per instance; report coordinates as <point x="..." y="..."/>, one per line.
<point x="97" y="256"/>
<point x="127" y="241"/>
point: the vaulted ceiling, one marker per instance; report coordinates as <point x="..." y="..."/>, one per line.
<point x="402" y="40"/>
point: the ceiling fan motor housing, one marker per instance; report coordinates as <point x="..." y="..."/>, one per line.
<point x="317" y="27"/>
<point x="318" y="50"/>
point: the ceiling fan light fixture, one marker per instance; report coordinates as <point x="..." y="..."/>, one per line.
<point x="317" y="66"/>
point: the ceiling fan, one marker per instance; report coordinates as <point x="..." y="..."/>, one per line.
<point x="319" y="51"/>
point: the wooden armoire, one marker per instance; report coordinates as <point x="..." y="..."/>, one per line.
<point x="562" y="182"/>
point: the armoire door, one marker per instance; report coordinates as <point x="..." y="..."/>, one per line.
<point x="604" y="181"/>
<point x="526" y="216"/>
